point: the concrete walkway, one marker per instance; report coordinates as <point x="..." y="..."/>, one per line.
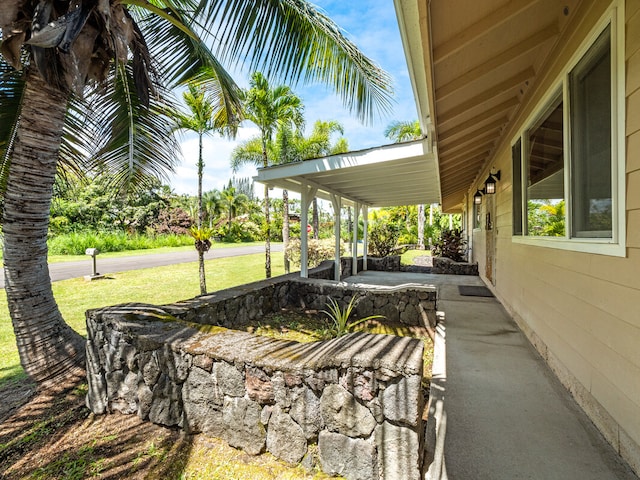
<point x="502" y="414"/>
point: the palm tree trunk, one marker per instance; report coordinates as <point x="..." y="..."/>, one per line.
<point x="203" y="277"/>
<point x="285" y="229"/>
<point x="421" y="219"/>
<point x="50" y="350"/>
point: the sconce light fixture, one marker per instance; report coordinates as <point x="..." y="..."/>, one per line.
<point x="477" y="198"/>
<point x="490" y="183"/>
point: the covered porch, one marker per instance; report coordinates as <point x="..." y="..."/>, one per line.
<point x="398" y="174"/>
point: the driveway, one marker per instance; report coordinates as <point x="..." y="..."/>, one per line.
<point x="66" y="270"/>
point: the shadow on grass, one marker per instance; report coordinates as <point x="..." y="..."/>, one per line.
<point x="53" y="435"/>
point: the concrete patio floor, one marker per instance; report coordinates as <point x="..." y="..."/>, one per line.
<point x="502" y="414"/>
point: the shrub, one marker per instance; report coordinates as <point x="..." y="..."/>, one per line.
<point x="77" y="243"/>
<point x="340" y="317"/>
<point x="172" y="220"/>
<point x="450" y="245"/>
<point x="319" y="251"/>
<point x="383" y="238"/>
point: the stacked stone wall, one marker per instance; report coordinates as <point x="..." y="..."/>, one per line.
<point x="353" y="404"/>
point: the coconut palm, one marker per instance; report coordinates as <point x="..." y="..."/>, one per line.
<point x="269" y="108"/>
<point x="204" y="117"/>
<point x="403" y="131"/>
<point x="132" y="51"/>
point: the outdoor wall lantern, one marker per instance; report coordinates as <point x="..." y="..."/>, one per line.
<point x="490" y="183"/>
<point x="477" y="198"/>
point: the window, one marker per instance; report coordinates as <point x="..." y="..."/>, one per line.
<point x="565" y="171"/>
<point x="590" y="90"/>
<point x="477" y="212"/>
<point x="545" y="173"/>
<point x="516" y="155"/>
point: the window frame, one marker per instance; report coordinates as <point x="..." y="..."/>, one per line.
<point x="616" y="244"/>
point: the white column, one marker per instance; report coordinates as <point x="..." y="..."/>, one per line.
<point x="354" y="247"/>
<point x="336" y="200"/>
<point x="304" y="236"/>
<point x="365" y="237"/>
<point x="306" y="196"/>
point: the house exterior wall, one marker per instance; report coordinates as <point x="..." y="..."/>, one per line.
<point x="580" y="310"/>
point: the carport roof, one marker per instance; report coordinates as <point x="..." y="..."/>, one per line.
<point x="398" y="174"/>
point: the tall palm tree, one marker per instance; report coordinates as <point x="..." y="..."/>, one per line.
<point x="204" y="117"/>
<point x="403" y="131"/>
<point x="133" y="51"/>
<point x="269" y="108"/>
<point x="279" y="150"/>
<point x="318" y="144"/>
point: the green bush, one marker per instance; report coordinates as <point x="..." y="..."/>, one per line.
<point x="383" y="238"/>
<point x="77" y="243"/>
<point x="450" y="245"/>
<point x="319" y="251"/>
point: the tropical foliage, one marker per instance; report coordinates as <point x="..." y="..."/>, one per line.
<point x="546" y="218"/>
<point x="451" y="245"/>
<point x="340" y="316"/>
<point x="89" y="80"/>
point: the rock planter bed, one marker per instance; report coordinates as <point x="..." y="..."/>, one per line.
<point x="352" y="405"/>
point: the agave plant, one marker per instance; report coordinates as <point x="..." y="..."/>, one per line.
<point x="340" y="317"/>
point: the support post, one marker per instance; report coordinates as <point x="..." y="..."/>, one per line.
<point x="354" y="247"/>
<point x="306" y="196"/>
<point x="336" y="201"/>
<point x="365" y="236"/>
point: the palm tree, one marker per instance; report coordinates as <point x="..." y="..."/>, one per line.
<point x="269" y="108"/>
<point x="278" y="151"/>
<point x="234" y="202"/>
<point x="204" y="118"/>
<point x="318" y="144"/>
<point x="133" y="51"/>
<point x="403" y="131"/>
<point x="211" y="205"/>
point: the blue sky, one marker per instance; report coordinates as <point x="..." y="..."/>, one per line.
<point x="372" y="26"/>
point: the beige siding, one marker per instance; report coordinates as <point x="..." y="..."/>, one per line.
<point x="582" y="311"/>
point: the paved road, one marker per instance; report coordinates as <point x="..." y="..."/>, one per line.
<point x="66" y="270"/>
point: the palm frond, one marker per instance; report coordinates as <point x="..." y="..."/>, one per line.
<point x="182" y="56"/>
<point x="247" y="153"/>
<point x="403" y="130"/>
<point x="295" y="41"/>
<point x="134" y="143"/>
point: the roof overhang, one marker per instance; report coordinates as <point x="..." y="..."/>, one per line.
<point x="472" y="65"/>
<point x="398" y="174"/>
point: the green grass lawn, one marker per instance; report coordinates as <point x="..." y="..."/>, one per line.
<point x="158" y="286"/>
<point x="407" y="257"/>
